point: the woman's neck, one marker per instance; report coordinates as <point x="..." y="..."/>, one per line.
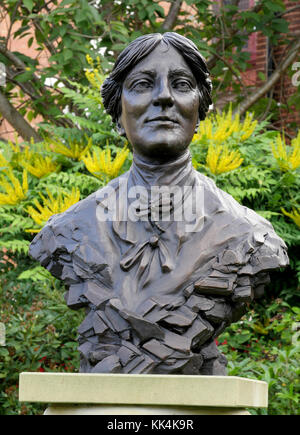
<point x="178" y="171"/>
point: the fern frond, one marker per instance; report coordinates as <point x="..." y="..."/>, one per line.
<point x="85" y="183"/>
<point x="88" y="124"/>
<point x="16" y="245"/>
<point x="13" y="224"/>
<point x="35" y="274"/>
<point x="288" y="232"/>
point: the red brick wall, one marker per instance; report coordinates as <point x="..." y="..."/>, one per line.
<point x="21" y="45"/>
<point x="284" y="88"/>
<point x="258" y="45"/>
<point x="261" y="58"/>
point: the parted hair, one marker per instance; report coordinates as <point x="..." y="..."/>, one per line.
<point x="138" y="49"/>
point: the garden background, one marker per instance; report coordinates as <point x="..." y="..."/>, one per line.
<point x="64" y="146"/>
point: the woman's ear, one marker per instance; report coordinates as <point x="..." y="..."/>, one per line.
<point x="120" y="128"/>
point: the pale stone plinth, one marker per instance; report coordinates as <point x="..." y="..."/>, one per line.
<point x="120" y="394"/>
<point x="139" y="410"/>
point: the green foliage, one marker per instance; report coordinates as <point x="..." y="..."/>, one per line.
<point x="93" y="118"/>
<point x="40" y="329"/>
<point x="86" y="183"/>
<point x="258" y="183"/>
<point x="264" y="345"/>
<point x="37" y="273"/>
<point x="71" y="176"/>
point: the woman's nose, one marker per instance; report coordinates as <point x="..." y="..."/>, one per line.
<point x="163" y="95"/>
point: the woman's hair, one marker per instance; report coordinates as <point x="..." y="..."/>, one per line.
<point x="111" y="90"/>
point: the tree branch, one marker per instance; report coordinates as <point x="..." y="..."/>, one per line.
<point x="288" y="11"/>
<point x="17" y="121"/>
<point x="12" y="21"/>
<point x="29" y="90"/>
<point x="2" y="139"/>
<point x="171" y="18"/>
<point x="27" y="87"/>
<point x="235" y="73"/>
<point x="51" y="48"/>
<point x="19" y="64"/>
<point x="12" y="57"/>
<point x="275" y="76"/>
<point x="211" y="62"/>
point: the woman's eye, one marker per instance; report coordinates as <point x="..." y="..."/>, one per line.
<point x="142" y="84"/>
<point x="182" y="85"/>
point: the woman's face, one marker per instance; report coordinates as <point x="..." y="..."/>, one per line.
<point x="160" y="102"/>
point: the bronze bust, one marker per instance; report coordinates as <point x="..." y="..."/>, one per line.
<point x="161" y="258"/>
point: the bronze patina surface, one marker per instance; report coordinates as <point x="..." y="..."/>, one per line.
<point x="161" y="275"/>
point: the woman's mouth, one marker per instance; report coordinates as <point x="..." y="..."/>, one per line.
<point x="162" y="120"/>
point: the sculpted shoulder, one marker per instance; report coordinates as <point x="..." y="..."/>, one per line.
<point x="243" y="230"/>
<point x="81" y="214"/>
<point x="71" y="237"/>
<point x="219" y="202"/>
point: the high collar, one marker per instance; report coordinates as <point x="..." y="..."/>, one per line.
<point x="179" y="172"/>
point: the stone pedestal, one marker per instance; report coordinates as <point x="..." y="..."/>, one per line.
<point x="119" y="394"/>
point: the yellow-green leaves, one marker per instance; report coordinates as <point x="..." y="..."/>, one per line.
<point x="94" y="74"/>
<point x="51" y="205"/>
<point x="220" y="127"/>
<point x="3" y="162"/>
<point x="287" y="156"/>
<point x="294" y="215"/>
<point x="11" y="190"/>
<point x="101" y="164"/>
<point x="39" y="166"/>
<point x="221" y="159"/>
<point x="222" y="134"/>
<point x="75" y="149"/>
